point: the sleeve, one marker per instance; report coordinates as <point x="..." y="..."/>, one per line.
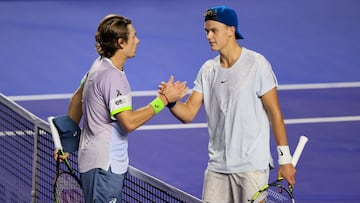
<point x="266" y="78"/>
<point x="83" y="80"/>
<point x="119" y="104"/>
<point x="198" y="84"/>
<point x="204" y="73"/>
<point x="117" y="90"/>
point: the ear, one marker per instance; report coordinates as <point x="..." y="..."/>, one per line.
<point x="121" y="43"/>
<point x="232" y="31"/>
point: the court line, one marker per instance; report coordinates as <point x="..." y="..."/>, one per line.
<point x="152" y="93"/>
<point x="287" y="122"/>
<point x="319" y="85"/>
<point x="204" y="125"/>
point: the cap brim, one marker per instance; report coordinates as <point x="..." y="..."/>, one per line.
<point x="238" y="35"/>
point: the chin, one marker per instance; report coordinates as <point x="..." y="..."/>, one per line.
<point x="213" y="48"/>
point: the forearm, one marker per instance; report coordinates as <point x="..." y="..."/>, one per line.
<point x="182" y="112"/>
<point x="279" y="130"/>
<point x="186" y="112"/>
<point x="284" y="154"/>
<point x="137" y="118"/>
<point x="131" y="120"/>
<point x="270" y="101"/>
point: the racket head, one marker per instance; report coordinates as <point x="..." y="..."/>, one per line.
<point x="276" y="192"/>
<point x="67" y="188"/>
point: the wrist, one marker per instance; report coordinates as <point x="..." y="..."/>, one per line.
<point x="165" y="98"/>
<point x="157" y="104"/>
<point x="169" y="104"/>
<point x="284" y="156"/>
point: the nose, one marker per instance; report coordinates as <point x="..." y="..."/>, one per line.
<point x="209" y="35"/>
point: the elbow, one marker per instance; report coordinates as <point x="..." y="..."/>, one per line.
<point x="184" y="118"/>
<point x="125" y="121"/>
<point x="131" y="125"/>
<point x="129" y="128"/>
<point x="186" y="121"/>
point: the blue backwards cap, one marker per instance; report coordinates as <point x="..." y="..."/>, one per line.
<point x="69" y="132"/>
<point x="226" y="15"/>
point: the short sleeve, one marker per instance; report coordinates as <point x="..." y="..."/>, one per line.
<point x="117" y="92"/>
<point x="266" y="78"/>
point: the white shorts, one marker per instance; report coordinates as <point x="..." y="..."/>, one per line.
<point x="233" y="188"/>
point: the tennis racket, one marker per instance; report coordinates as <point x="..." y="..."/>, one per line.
<point x="279" y="191"/>
<point x="67" y="186"/>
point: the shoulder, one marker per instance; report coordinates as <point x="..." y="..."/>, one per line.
<point x="208" y="68"/>
<point x="254" y="54"/>
<point x="107" y="68"/>
<point x="210" y="63"/>
<point x="257" y="58"/>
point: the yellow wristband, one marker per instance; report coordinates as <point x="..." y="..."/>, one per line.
<point x="157" y="105"/>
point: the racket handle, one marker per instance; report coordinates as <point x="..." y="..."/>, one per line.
<point x="57" y="141"/>
<point x="54" y="133"/>
<point x="299" y="148"/>
<point x="61" y="152"/>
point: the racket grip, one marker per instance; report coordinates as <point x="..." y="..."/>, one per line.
<point x="54" y="133"/>
<point x="67" y="163"/>
<point x="299" y="148"/>
<point x="57" y="141"/>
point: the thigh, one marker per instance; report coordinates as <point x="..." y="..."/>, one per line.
<point x="102" y="186"/>
<point x="216" y="188"/>
<point x="88" y="181"/>
<point x="245" y="185"/>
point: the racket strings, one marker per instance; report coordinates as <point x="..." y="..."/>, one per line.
<point x="68" y="189"/>
<point x="277" y="195"/>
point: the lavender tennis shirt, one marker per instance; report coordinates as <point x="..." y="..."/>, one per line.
<point x="103" y="142"/>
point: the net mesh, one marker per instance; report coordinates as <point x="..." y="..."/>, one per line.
<point x="16" y="147"/>
<point x="28" y="169"/>
<point x="68" y="189"/>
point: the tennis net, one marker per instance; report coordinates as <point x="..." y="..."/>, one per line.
<point x="27" y="167"/>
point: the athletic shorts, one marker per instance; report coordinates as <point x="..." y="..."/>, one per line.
<point x="102" y="186"/>
<point x="232" y="188"/>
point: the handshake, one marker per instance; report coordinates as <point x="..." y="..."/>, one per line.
<point x="172" y="91"/>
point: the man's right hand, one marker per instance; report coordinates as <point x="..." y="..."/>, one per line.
<point x="62" y="157"/>
<point x="173" y="90"/>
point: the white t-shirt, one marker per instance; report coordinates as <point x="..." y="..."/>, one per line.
<point x="103" y="141"/>
<point x="238" y="125"/>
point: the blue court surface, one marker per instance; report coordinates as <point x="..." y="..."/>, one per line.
<point x="313" y="46"/>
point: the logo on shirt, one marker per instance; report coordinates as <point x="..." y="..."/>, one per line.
<point x="222" y="81"/>
<point x="118" y="102"/>
<point x="118" y="93"/>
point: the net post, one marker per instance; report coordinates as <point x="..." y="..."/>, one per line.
<point x="34" y="187"/>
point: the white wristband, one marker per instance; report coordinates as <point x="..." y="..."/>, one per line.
<point x="284" y="155"/>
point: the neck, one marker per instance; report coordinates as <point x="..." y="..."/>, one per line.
<point x="118" y="62"/>
<point x="229" y="56"/>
